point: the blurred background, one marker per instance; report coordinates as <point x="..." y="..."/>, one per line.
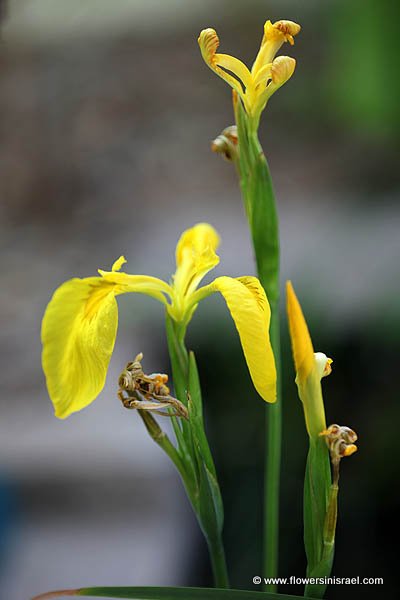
<point x="107" y="113"/>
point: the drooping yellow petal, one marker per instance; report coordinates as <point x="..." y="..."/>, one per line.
<point x="78" y="335"/>
<point x="303" y="351"/>
<point x="195" y="257"/>
<point x="236" y="66"/>
<point x="209" y="42"/>
<point x="249" y="308"/>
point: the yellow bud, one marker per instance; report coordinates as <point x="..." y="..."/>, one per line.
<point x="282" y="69"/>
<point x="208" y="42"/>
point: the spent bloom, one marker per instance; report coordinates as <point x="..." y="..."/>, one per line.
<point x="267" y="74"/>
<point x="80" y="323"/>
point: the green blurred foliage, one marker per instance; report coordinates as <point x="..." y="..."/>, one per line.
<point x="364" y="53"/>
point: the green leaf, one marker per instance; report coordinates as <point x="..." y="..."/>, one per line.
<point x="176" y="593"/>
<point x="180" y="366"/>
<point x="317" y="484"/>
<point x="196" y="416"/>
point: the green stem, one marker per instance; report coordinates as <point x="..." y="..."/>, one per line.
<point x="218" y="563"/>
<point x="272" y="465"/>
<point x="161" y="438"/>
<point x="260" y="206"/>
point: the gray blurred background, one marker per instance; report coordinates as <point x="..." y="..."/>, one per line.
<point x="107" y="112"/>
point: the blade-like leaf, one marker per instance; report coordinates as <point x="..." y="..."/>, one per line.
<point x="175" y="593"/>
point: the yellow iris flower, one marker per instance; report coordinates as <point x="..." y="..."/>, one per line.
<point x="80" y="323"/>
<point x="267" y="74"/>
<point x="310" y="366"/>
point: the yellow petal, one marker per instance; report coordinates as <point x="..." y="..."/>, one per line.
<point x="209" y="42"/>
<point x="275" y="34"/>
<point x="141" y="284"/>
<point x="249" y="308"/>
<point x="195" y="257"/>
<point x="236" y="66"/>
<point x="78" y="335"/>
<point x="118" y="263"/>
<point x="281" y="29"/>
<point x="282" y="69"/>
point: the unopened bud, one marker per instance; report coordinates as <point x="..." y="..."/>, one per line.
<point x="226" y="143"/>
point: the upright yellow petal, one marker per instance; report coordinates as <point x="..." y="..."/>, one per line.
<point x="303" y="351"/>
<point x="118" y="263"/>
<point x="275" y="34"/>
<point x="78" y="335"/>
<point x="249" y="308"/>
<point x="195" y="257"/>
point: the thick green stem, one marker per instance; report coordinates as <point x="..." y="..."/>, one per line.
<point x="218" y="563"/>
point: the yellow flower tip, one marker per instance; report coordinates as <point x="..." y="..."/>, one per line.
<point x="282" y="69"/>
<point x="282" y="29"/>
<point x="118" y="263"/>
<point x="349" y="450"/>
<point x="323" y="364"/>
<point x="209" y="42"/>
<point x="303" y="352"/>
<point x="200" y="242"/>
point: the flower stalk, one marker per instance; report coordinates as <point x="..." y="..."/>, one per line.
<point x="252" y="89"/>
<point x="259" y="201"/>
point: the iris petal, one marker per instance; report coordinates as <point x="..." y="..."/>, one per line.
<point x="195" y="257"/>
<point x="249" y="308"/>
<point x="78" y="335"/>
